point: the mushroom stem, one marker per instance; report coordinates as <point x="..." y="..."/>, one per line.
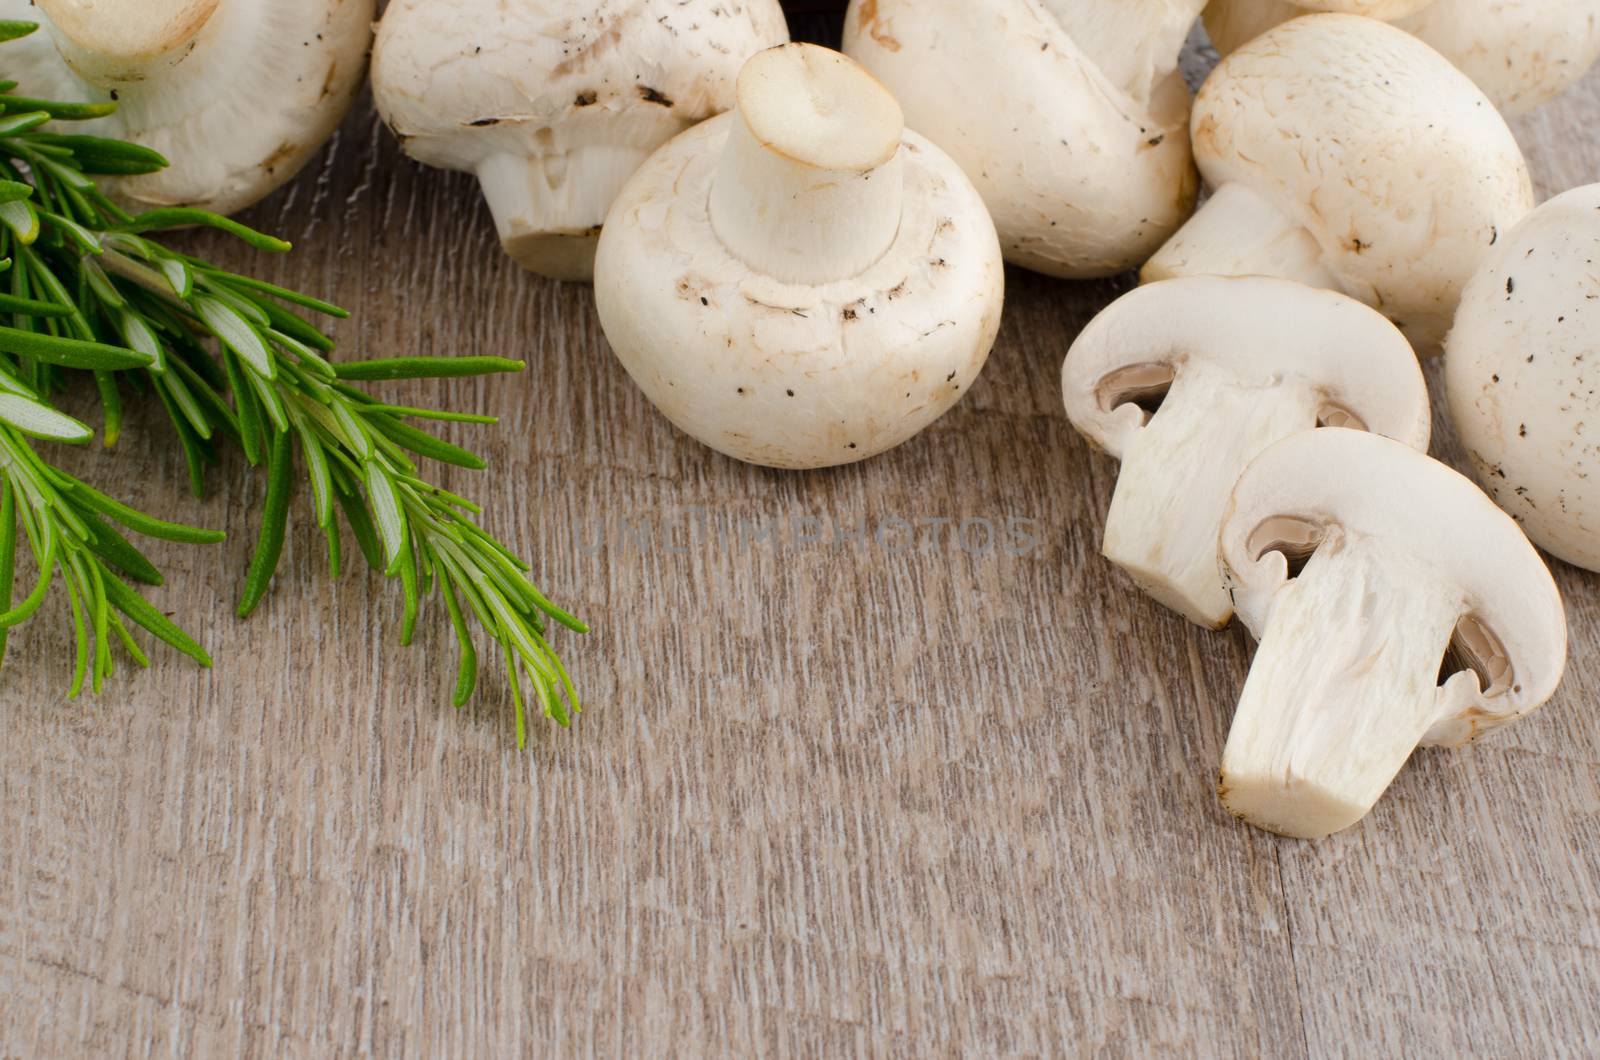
<point x="1343" y="688"/>
<point x="112" y="42"/>
<point x="808" y="189"/>
<point x="1177" y="474"/>
<point x="1239" y="233"/>
<point x="548" y="209"/>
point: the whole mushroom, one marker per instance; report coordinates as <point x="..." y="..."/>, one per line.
<point x="1395" y="606"/>
<point x="1520" y="52"/>
<point x="1231" y="23"/>
<point x="1522" y="370"/>
<point x="801" y="282"/>
<point x="553" y="104"/>
<point x="1186" y="380"/>
<point x="1345" y="153"/>
<point x="236" y="94"/>
<point x="1068" y="115"/>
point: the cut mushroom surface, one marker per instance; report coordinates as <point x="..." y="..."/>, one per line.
<point x="236" y="94"/>
<point x="1520" y="52"/>
<point x="1186" y="380"/>
<point x="1395" y="606"/>
<point x="801" y="282"/>
<point x="553" y="104"/>
<point x="1393" y="187"/>
<point x="1522" y="371"/>
<point x="1068" y="115"/>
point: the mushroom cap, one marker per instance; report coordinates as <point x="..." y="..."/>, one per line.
<point x="1522" y="371"/>
<point x="795" y="375"/>
<point x="237" y="111"/>
<point x="461" y="80"/>
<point x="1394" y="162"/>
<point x="1082" y="176"/>
<point x="1230" y="23"/>
<point x="149" y="29"/>
<point x="1263" y="330"/>
<point x="1520" y="52"/>
<point x="1382" y="9"/>
<point x="1514" y="626"/>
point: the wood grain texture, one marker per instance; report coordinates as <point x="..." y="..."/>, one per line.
<point x="827" y="797"/>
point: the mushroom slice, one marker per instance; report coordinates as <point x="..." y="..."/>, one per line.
<point x="1069" y="115"/>
<point x="1186" y="380"/>
<point x="1422" y="616"/>
<point x="236" y="94"/>
<point x="1520" y="52"/>
<point x="802" y="282"/>
<point x="1392" y="188"/>
<point x="553" y="104"/>
<point x="1522" y="371"/>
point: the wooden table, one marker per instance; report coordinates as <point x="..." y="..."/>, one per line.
<point x="827" y="796"/>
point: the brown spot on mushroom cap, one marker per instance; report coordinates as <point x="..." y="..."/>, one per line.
<point x="280" y="153"/>
<point x="329" y="82"/>
<point x="867" y="18"/>
<point x="591" y="52"/>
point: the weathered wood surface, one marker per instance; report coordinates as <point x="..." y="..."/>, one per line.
<point x="826" y="798"/>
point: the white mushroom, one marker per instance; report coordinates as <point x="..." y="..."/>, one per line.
<point x="1422" y="616"/>
<point x="1230" y="365"/>
<point x="1522" y="369"/>
<point x="236" y="94"/>
<point x="1068" y="115"/>
<point x="1346" y="153"/>
<point x="1520" y="52"/>
<point x="553" y="104"/>
<point x="1230" y="23"/>
<point x="801" y="283"/>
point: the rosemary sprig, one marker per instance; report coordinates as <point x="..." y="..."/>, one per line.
<point x="65" y="523"/>
<point x="232" y="361"/>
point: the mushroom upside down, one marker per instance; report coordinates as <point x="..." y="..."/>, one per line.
<point x="802" y="282"/>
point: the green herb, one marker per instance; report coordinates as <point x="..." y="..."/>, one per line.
<point x="232" y="362"/>
<point x="64" y="521"/>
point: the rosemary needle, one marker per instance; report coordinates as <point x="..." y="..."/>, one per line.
<point x="87" y="287"/>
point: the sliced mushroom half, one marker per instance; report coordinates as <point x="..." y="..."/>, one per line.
<point x="1186" y="380"/>
<point x="1395" y="606"/>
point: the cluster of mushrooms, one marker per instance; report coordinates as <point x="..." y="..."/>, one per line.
<point x="797" y="279"/>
